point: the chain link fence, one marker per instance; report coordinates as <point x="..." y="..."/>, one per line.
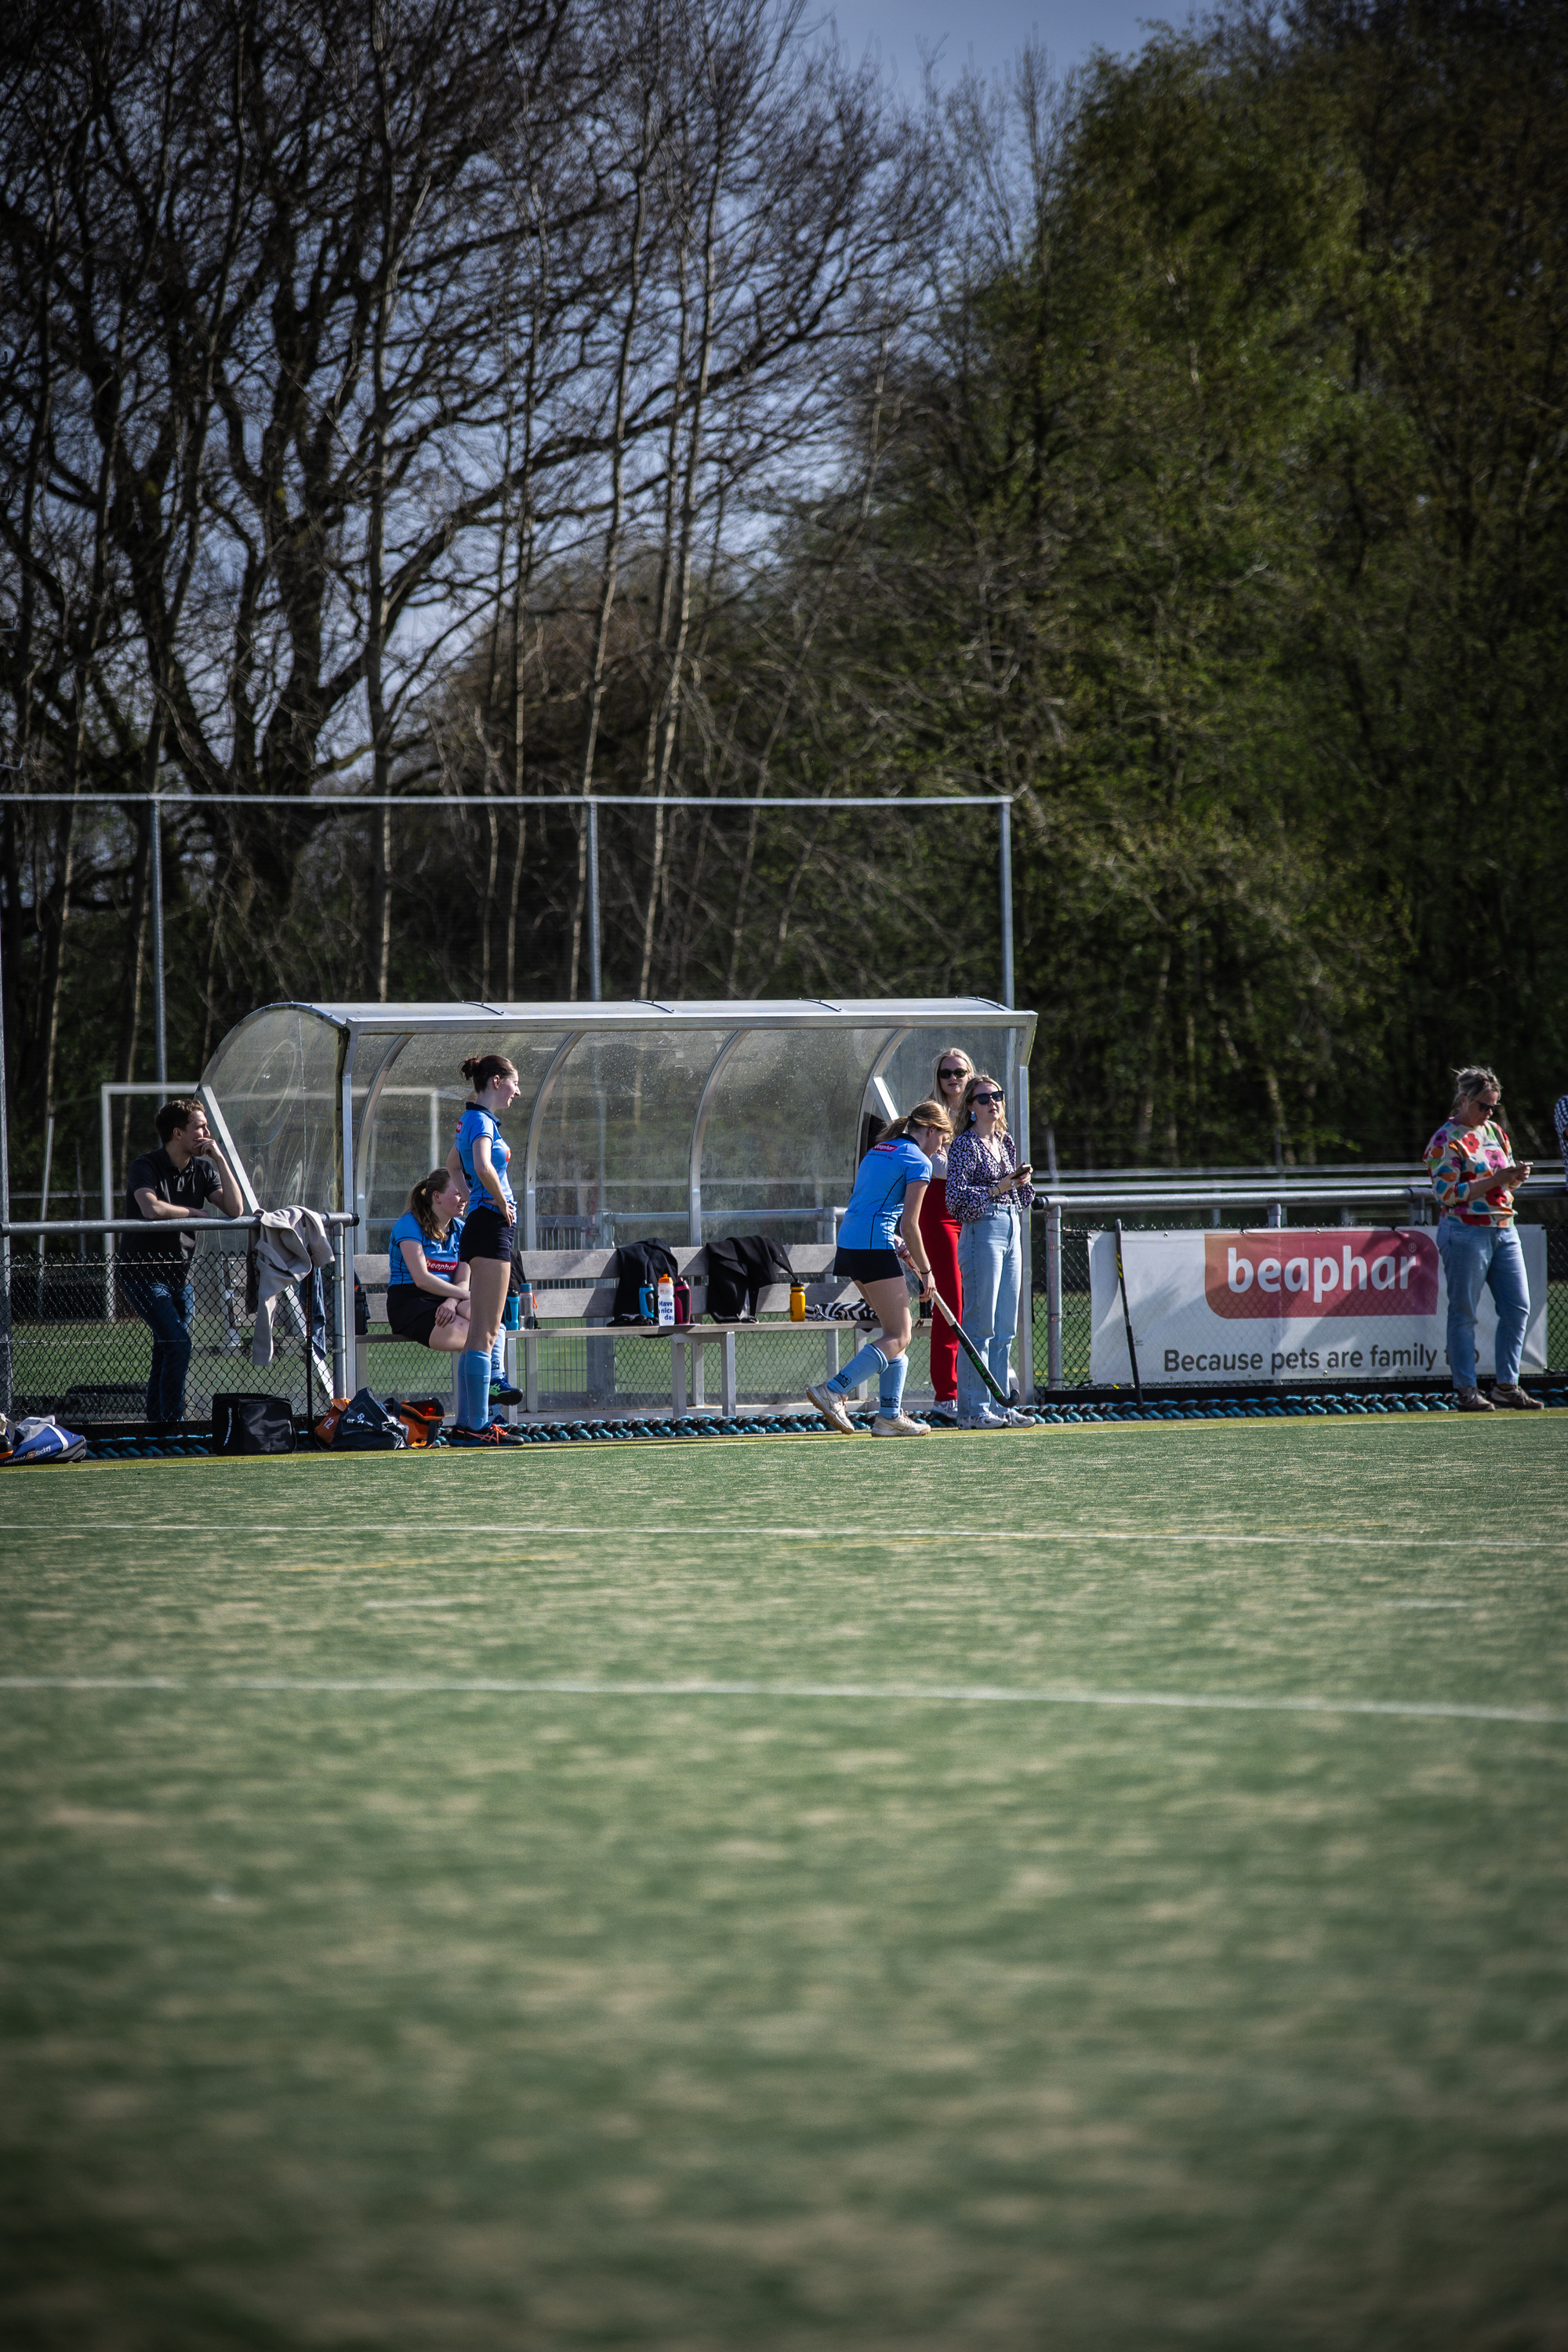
<point x="80" y="1328"/>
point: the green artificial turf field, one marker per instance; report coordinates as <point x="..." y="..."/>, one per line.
<point x="1005" y="1959"/>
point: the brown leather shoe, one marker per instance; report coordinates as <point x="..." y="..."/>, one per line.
<point x="1517" y="1400"/>
<point x="1472" y="1401"/>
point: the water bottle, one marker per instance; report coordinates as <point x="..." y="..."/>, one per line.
<point x="527" y="1307"/>
<point x="666" y="1299"/>
<point x="796" y="1300"/>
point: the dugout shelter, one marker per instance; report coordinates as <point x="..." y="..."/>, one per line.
<point x="677" y="1122"/>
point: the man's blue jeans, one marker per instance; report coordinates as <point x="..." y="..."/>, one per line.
<point x="165" y="1306"/>
<point x="990" y="1260"/>
<point x="1473" y="1255"/>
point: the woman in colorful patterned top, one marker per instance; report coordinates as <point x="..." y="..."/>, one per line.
<point x="987" y="1192"/>
<point x="1473" y="1172"/>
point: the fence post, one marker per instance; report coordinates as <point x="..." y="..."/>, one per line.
<point x="1054" y="1294"/>
<point x="160" y="1028"/>
<point x="343" y="1321"/>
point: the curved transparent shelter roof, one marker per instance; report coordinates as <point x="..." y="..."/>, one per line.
<point x="639" y="1121"/>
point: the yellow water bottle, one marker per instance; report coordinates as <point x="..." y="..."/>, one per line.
<point x="796" y="1299"/>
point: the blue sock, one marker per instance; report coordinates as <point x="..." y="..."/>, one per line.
<point x="474" y="1389"/>
<point x="890" y="1388"/>
<point x="497" y="1357"/>
<point x="861" y="1367"/>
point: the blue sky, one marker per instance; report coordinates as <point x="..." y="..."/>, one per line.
<point x="989" y="33"/>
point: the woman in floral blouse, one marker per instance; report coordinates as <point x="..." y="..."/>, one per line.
<point x="1473" y="1172"/>
<point x="987" y="1192"/>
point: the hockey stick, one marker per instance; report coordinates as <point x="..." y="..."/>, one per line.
<point x="1127" y="1316"/>
<point x="962" y="1336"/>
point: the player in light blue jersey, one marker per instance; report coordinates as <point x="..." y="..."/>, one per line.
<point x="482" y="1154"/>
<point x="886" y="1201"/>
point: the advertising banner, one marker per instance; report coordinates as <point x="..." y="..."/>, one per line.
<point x="1288" y="1305"/>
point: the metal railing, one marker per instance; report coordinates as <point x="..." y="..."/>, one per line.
<point x="73" y="1340"/>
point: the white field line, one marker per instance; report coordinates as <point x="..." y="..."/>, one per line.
<point x="521" y="1529"/>
<point x="476" y="1601"/>
<point x="930" y="1694"/>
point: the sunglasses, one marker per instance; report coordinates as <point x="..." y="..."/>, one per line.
<point x="985" y="1095"/>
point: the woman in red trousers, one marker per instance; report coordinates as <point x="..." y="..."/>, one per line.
<point x="939" y="1234"/>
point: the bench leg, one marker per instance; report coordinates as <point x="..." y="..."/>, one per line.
<point x="832" y="1350"/>
<point x="361" y="1362"/>
<point x="508" y="1357"/>
<point x="677" y="1352"/>
<point x="728" y="1376"/>
<point x="530" y="1371"/>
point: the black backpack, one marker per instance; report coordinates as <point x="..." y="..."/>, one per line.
<point x="365" y="1426"/>
<point x="252" y="1424"/>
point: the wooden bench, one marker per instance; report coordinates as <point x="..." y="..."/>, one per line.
<point x="575" y="1296"/>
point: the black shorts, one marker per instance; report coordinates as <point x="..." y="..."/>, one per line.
<point x="486" y="1235"/>
<point x="412" y="1312"/>
<point x="868" y="1265"/>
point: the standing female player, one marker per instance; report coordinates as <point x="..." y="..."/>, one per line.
<point x="939" y="1231"/>
<point x="888" y="1190"/>
<point x="482" y="1153"/>
<point x="987" y="1190"/>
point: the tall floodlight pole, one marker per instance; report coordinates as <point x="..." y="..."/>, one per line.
<point x="5" y="1206"/>
<point x="595" y="972"/>
<point x="160" y="1036"/>
<point x="1005" y="812"/>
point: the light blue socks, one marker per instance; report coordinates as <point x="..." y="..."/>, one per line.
<point x="497" y="1357"/>
<point x="890" y="1388"/>
<point x="861" y="1367"/>
<point x="474" y="1388"/>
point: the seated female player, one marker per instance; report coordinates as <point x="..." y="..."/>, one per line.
<point x="427" y="1288"/>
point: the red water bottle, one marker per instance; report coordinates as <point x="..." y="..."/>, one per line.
<point x="682" y="1300"/>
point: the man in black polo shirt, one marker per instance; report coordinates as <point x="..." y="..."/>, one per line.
<point x="164" y="1187"/>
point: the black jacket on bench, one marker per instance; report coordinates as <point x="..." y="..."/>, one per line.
<point x="736" y="1270"/>
<point x="637" y="1263"/>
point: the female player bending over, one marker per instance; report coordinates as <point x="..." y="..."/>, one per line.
<point x="890" y="1188"/>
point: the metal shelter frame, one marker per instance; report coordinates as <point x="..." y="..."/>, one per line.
<point x="706" y="1041"/>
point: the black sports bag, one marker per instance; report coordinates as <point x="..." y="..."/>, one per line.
<point x="252" y="1424"/>
<point x="366" y="1427"/>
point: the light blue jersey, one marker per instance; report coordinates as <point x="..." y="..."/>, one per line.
<point x="440" y="1256"/>
<point x="473" y="1124"/>
<point x="877" y="1201"/>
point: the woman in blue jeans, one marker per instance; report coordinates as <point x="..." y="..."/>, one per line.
<point x="987" y="1192"/>
<point x="1473" y="1173"/>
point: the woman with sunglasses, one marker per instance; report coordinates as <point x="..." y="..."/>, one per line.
<point x="939" y="1231"/>
<point x="987" y="1192"/>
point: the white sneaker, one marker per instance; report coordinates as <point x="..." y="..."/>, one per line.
<point x="898" y="1425"/>
<point x="978" y="1420"/>
<point x="945" y="1414"/>
<point x="830" y="1405"/>
<point x="1013" y="1419"/>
